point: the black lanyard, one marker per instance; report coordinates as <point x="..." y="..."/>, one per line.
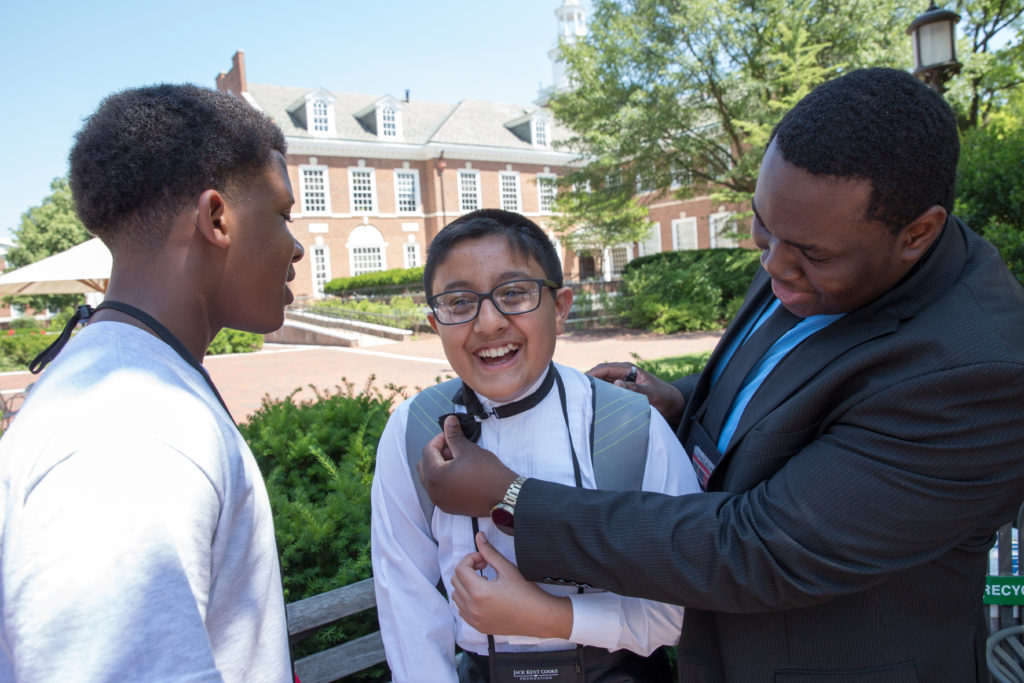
<point x="83" y="313"/>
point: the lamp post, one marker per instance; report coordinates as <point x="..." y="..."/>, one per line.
<point x="440" y="165"/>
<point x="935" y="46"/>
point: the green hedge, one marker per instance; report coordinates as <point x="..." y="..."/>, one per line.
<point x="318" y="458"/>
<point x="685" y="290"/>
<point x="235" y="341"/>
<point x="400" y="311"/>
<point x="19" y="347"/>
<point x="377" y="282"/>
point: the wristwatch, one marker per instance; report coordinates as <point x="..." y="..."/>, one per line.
<point x="504" y="513"/>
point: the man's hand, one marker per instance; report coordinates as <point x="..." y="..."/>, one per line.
<point x="665" y="398"/>
<point x="508" y="604"/>
<point x="460" y="477"/>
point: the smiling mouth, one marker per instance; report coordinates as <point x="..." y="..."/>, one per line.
<point x="497" y="354"/>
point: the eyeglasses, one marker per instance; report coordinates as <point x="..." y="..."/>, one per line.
<point x="514" y="297"/>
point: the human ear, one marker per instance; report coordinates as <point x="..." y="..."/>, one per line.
<point x="433" y="322"/>
<point x="563" y="303"/>
<point x="919" y="235"/>
<point x="210" y="211"/>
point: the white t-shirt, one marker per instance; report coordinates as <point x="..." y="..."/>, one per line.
<point x="419" y="627"/>
<point x="137" y="541"/>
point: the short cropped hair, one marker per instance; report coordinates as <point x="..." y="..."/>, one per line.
<point x="524" y="237"/>
<point x="148" y="152"/>
<point x="881" y="125"/>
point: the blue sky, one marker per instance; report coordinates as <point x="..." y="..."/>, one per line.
<point x="59" y="59"/>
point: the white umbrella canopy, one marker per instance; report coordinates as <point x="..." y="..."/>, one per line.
<point x="82" y="269"/>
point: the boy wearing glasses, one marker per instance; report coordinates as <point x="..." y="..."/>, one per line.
<point x="494" y="285"/>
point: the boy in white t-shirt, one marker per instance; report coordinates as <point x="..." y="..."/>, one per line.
<point x="494" y="284"/>
<point x="136" y="539"/>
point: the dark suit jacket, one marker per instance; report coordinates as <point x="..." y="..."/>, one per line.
<point x="845" y="535"/>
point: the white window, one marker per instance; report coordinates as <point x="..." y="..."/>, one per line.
<point x="546" y="192"/>
<point x="509" y="185"/>
<point x="362" y="189"/>
<point x="615" y="259"/>
<point x="412" y="254"/>
<point x="469" y="190"/>
<point x="320" y="260"/>
<point x="652" y="244"/>
<point x="388" y="122"/>
<point x="321" y="117"/>
<point x="407" y="191"/>
<point x="366" y="250"/>
<point x="723" y="230"/>
<point x="684" y="233"/>
<point x="314" y="185"/>
<point x="540" y="131"/>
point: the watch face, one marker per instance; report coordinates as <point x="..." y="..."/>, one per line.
<point x="503" y="517"/>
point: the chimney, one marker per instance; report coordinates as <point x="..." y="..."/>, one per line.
<point x="406" y="94"/>
<point x="234" y="80"/>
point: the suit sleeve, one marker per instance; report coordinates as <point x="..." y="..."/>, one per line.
<point x="416" y="622"/>
<point x="896" y="480"/>
<point x="614" y="621"/>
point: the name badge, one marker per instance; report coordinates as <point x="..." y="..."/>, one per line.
<point x="704" y="454"/>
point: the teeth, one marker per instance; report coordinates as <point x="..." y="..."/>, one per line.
<point x="497" y="351"/>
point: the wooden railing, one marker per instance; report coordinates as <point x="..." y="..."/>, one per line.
<point x="308" y="615"/>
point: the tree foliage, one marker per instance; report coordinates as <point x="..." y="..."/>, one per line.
<point x="44" y="230"/>
<point x="680" y="97"/>
<point x="992" y="54"/>
<point x="674" y="98"/>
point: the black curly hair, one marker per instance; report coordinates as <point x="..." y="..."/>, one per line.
<point x="882" y="125"/>
<point x="524" y="237"/>
<point x="148" y="152"/>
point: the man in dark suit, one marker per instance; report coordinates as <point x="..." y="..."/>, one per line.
<point x="859" y="448"/>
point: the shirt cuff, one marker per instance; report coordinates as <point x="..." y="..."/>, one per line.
<point x="596" y="619"/>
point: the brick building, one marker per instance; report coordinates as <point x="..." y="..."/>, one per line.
<point x="376" y="176"/>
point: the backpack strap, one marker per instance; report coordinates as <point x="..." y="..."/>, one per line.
<point x="421" y="427"/>
<point x="618" y="436"/>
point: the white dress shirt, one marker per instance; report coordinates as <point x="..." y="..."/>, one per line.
<point x="419" y="626"/>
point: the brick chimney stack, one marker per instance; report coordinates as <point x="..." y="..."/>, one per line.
<point x="234" y="80"/>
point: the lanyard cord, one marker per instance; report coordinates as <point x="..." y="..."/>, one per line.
<point x="576" y="475"/>
<point x="83" y="313"/>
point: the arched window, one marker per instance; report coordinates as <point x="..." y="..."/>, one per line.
<point x="366" y="250"/>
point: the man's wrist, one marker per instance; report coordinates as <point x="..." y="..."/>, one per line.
<point x="503" y="512"/>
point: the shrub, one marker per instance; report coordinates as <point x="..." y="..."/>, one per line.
<point x="399" y="311"/>
<point x="318" y="458"/>
<point x="19" y="347"/>
<point x="234" y="341"/>
<point x="377" y="282"/>
<point x="685" y="290"/>
<point x="674" y="367"/>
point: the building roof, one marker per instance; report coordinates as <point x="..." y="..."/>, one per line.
<point x="470" y="122"/>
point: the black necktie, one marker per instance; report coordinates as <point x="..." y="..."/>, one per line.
<point x="743" y="360"/>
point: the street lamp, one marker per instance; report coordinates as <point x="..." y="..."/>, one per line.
<point x="935" y="46"/>
<point x="440" y="165"/>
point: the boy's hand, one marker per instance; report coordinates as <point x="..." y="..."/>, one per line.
<point x="665" y="398"/>
<point x="460" y="477"/>
<point x="507" y="604"/>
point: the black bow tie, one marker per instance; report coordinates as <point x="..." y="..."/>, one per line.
<point x="475" y="412"/>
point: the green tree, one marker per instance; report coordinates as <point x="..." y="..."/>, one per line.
<point x="990" y="187"/>
<point x="679" y="97"/>
<point x="674" y="98"/>
<point x="44" y="230"/>
<point x="992" y="54"/>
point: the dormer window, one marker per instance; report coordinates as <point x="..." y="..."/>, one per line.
<point x="540" y="131"/>
<point x="321" y="118"/>
<point x="533" y="128"/>
<point x="314" y="111"/>
<point x="388" y="122"/>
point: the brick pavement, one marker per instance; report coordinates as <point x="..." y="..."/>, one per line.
<point x="278" y="370"/>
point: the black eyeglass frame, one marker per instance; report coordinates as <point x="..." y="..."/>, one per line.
<point x="482" y="296"/>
